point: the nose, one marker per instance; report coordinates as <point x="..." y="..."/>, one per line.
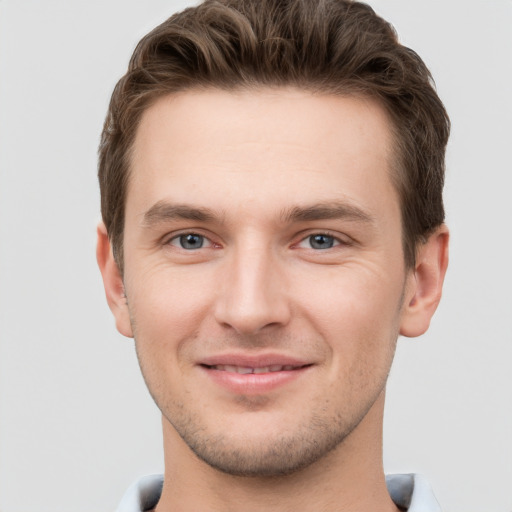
<point x="253" y="294"/>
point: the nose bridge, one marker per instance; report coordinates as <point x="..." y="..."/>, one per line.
<point x="252" y="296"/>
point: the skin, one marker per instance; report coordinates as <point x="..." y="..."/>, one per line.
<point x="255" y="175"/>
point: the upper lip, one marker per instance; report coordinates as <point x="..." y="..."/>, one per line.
<point x="253" y="360"/>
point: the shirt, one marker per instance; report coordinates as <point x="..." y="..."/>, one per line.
<point x="409" y="491"/>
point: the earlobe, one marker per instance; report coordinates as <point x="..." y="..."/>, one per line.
<point x="112" y="282"/>
<point x="425" y="284"/>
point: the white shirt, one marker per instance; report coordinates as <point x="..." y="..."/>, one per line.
<point x="410" y="492"/>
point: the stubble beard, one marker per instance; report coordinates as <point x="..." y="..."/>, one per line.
<point x="281" y="455"/>
<point x="284" y="454"/>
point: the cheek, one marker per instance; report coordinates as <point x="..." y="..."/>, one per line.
<point x="167" y="308"/>
<point x="357" y="313"/>
<point x="166" y="312"/>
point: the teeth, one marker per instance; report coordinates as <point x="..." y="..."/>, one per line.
<point x="242" y="369"/>
<point x="264" y="369"/>
<point x="246" y="369"/>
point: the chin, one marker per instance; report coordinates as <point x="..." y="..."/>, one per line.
<point x="260" y="454"/>
<point x="277" y="458"/>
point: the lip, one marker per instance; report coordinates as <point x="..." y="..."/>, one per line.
<point x="253" y="383"/>
<point x="253" y="360"/>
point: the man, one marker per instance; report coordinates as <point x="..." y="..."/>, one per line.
<point x="271" y="176"/>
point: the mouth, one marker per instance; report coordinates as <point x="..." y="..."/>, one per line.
<point x="244" y="375"/>
<point x="244" y="370"/>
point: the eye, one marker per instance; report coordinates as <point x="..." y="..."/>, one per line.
<point x="190" y="241"/>
<point x="319" y="241"/>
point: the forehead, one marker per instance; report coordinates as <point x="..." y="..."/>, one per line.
<point x="260" y="142"/>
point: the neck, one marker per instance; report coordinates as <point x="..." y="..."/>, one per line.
<point x="350" y="478"/>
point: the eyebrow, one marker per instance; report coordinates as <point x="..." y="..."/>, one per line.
<point x="163" y="211"/>
<point x="324" y="211"/>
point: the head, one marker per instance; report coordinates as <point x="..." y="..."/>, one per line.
<point x="271" y="178"/>
<point x="331" y="46"/>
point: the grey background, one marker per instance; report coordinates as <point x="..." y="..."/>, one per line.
<point x="76" y="423"/>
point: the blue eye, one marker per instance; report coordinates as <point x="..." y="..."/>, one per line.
<point x="189" y="241"/>
<point x="320" y="241"/>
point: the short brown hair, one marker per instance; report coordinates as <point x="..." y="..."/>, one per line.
<point x="325" y="46"/>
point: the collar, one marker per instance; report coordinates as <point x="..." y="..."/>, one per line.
<point x="409" y="491"/>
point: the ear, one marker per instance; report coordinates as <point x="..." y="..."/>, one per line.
<point x="425" y="284"/>
<point x="113" y="282"/>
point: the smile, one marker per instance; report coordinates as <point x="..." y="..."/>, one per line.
<point x="257" y="370"/>
<point x="254" y="377"/>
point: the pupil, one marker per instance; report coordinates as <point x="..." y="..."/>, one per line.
<point x="191" y="241"/>
<point x="321" y="241"/>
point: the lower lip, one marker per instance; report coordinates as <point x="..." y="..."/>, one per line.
<point x="253" y="383"/>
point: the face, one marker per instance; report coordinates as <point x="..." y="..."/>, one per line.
<point x="264" y="271"/>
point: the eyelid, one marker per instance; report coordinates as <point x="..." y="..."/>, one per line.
<point x="175" y="236"/>
<point x="340" y="239"/>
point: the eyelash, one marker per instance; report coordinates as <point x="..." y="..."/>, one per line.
<point x="179" y="239"/>
<point x="336" y="241"/>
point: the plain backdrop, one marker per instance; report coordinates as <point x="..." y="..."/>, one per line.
<point x="76" y="422"/>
